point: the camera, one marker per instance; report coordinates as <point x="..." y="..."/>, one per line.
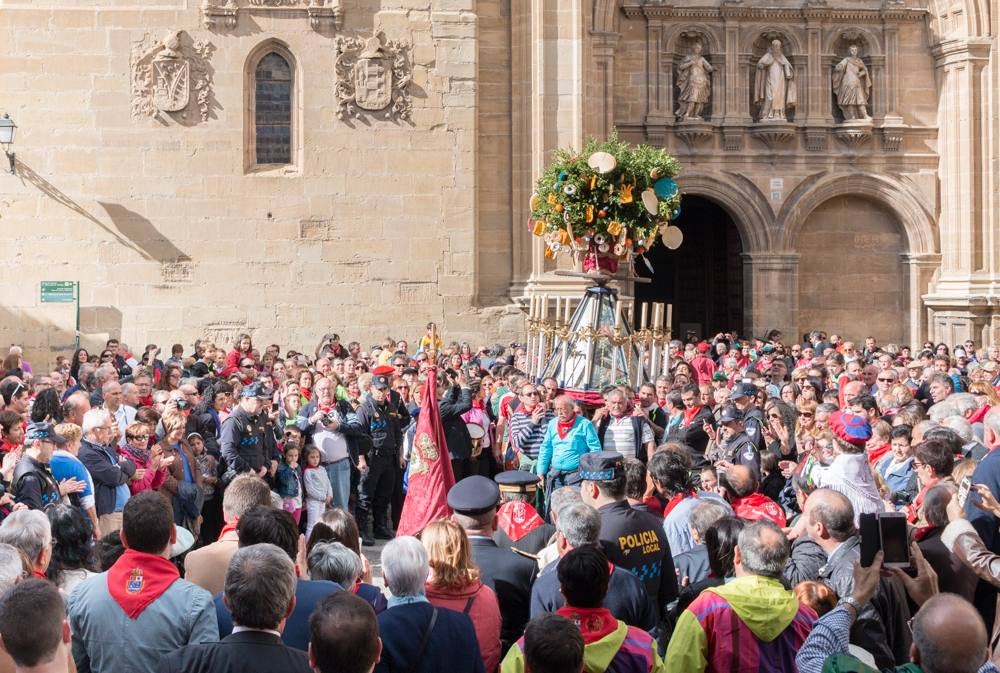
<point x="183" y="404"/>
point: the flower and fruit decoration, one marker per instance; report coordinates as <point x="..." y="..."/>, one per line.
<point x="607" y="203"/>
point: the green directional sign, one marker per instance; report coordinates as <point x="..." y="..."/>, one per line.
<point x="58" y="291"/>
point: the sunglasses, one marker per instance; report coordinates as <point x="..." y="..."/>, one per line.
<point x="245" y="366"/>
<point x="887" y="380"/>
<point x="807" y="414"/>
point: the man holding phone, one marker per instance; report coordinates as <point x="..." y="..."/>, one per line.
<point x="828" y="519"/>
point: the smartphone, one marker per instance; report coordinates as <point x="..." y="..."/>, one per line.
<point x="274" y="406"/>
<point x="870" y="543"/>
<point x="963" y="491"/>
<point x="894" y="539"/>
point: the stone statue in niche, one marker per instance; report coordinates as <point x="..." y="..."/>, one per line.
<point x="774" y="89"/>
<point x="852" y="84"/>
<point x="694" y="79"/>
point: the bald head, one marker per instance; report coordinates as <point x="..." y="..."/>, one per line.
<point x="854" y="388"/>
<point x="948" y="636"/>
<point x="830" y="516"/>
<point x="739" y="480"/>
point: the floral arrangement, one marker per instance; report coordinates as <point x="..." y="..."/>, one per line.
<point x="606" y="203"/>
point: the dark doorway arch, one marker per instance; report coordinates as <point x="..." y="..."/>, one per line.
<point x="703" y="278"/>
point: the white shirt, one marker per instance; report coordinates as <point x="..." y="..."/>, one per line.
<point x="620" y="436"/>
<point x="124" y="417"/>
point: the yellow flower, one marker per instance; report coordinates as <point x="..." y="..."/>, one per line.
<point x="614" y="228"/>
<point x="626" y="196"/>
<point x="539" y="228"/>
<point x="589" y="215"/>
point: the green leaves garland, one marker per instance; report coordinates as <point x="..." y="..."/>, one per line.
<point x="580" y="209"/>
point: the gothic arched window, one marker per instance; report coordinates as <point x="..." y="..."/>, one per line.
<point x="272" y="110"/>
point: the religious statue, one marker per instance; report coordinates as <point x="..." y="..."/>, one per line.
<point x="775" y="87"/>
<point x="694" y="79"/>
<point x="853" y="85"/>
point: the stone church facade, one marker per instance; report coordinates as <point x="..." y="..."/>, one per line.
<point x="287" y="167"/>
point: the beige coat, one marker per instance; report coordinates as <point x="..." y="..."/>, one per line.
<point x="207" y="566"/>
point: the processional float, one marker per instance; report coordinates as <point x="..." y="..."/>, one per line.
<point x="603" y="207"/>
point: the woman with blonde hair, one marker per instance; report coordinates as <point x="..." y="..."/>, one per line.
<point x="182" y="486"/>
<point x="454" y="584"/>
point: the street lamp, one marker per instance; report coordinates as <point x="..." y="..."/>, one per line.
<point x="7" y="129"/>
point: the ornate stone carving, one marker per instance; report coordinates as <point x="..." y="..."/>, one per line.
<point x="694" y="132"/>
<point x="816" y="140"/>
<point x="774" y="133"/>
<point x="224" y="14"/>
<point x="694" y="84"/>
<point x="854" y="134"/>
<point x="373" y="76"/>
<point x="774" y="88"/>
<point x="852" y="84"/>
<point x="892" y="138"/>
<point x="169" y="75"/>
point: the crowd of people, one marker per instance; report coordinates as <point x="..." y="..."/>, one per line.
<point x="209" y="510"/>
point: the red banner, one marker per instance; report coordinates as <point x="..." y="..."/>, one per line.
<point x="430" y="467"/>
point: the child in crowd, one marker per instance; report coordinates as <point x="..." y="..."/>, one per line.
<point x="208" y="465"/>
<point x="290" y="482"/>
<point x="709" y="479"/>
<point x="772" y="481"/>
<point x="317" y="487"/>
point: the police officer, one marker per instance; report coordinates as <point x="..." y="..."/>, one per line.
<point x="744" y="396"/>
<point x="633" y="540"/>
<point x="384" y="422"/>
<point x="474" y="500"/>
<point x="241" y="440"/>
<point x="33" y="484"/>
<point x="739" y="449"/>
<point x="519" y="527"/>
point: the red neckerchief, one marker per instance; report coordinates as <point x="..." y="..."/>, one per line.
<point x="594" y="623"/>
<point x="689" y="415"/>
<point x="914" y="508"/>
<point x="40" y="575"/>
<point x="876" y="454"/>
<point x="228" y="528"/>
<point x="978" y="415"/>
<point x="563" y="428"/>
<point x="676" y="500"/>
<point x="146" y="401"/>
<point x="923" y="532"/>
<point x="517" y="519"/>
<point x="7" y="447"/>
<point x="137" y="579"/>
<point x="478" y="404"/>
<point x="305" y="393"/>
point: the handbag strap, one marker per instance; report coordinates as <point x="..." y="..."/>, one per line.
<point x="427" y="636"/>
<point x="468" y="604"/>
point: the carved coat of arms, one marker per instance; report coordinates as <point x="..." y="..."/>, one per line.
<point x="373" y="75"/>
<point x="172" y="75"/>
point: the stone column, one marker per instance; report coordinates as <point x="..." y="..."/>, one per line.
<point x="601" y="96"/>
<point x="771" y="292"/>
<point x="734" y="108"/>
<point x="961" y="146"/>
<point x="919" y="269"/>
<point x="818" y="95"/>
<point x="558" y="105"/>
<point x="660" y="76"/>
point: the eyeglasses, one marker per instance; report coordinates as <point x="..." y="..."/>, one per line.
<point x="917" y="464"/>
<point x="138" y="437"/>
<point x="776" y="417"/>
<point x="246" y="365"/>
<point x="533" y="393"/>
<point x="800" y="378"/>
<point x="887" y="380"/>
<point x="806" y="414"/>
